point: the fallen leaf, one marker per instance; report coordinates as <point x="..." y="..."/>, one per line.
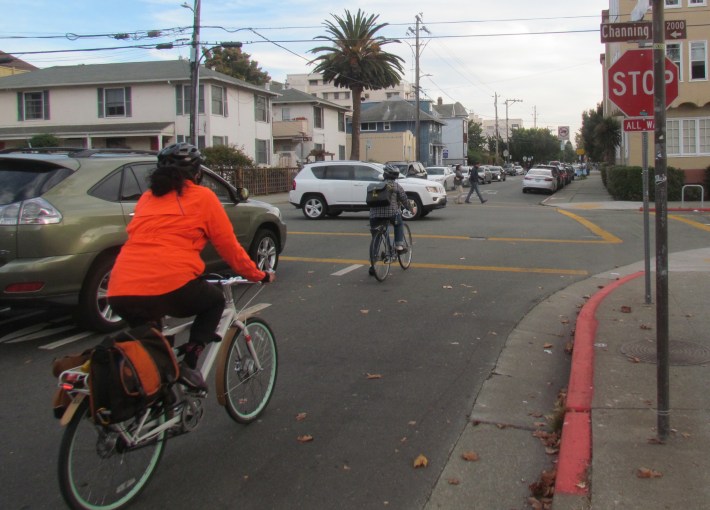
<point x="453" y="481"/>
<point x="536" y="414"/>
<point x="625" y="309"/>
<point x="535" y="504"/>
<point x="421" y="461"/>
<point x="447" y="287"/>
<point x="374" y="376"/>
<point x="645" y="326"/>
<point x="401" y="301"/>
<point x="470" y="456"/>
<point x="301" y="416"/>
<point x="411" y="423"/>
<point x="565" y="321"/>
<point x="582" y="485"/>
<point x="648" y="473"/>
<point x="305" y="438"/>
<point x="364" y="312"/>
<point x="346" y="467"/>
<point x="634" y="359"/>
<point x="547" y="345"/>
<point x="501" y="425"/>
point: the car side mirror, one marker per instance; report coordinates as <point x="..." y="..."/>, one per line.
<point x="243" y="194"/>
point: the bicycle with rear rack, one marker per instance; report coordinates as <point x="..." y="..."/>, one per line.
<point x="383" y="250"/>
<point x="107" y="466"/>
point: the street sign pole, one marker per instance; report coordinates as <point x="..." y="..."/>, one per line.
<point x="646" y="221"/>
<point x="661" y="183"/>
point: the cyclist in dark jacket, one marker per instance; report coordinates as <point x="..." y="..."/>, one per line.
<point x="391" y="212"/>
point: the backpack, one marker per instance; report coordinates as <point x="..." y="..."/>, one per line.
<point x="128" y="372"/>
<point x="379" y="194"/>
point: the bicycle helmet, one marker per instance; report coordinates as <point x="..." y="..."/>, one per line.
<point x="391" y="172"/>
<point x="181" y="155"/>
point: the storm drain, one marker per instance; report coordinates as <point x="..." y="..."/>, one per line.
<point x="679" y="353"/>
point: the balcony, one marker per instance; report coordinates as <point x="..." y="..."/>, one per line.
<point x="296" y="130"/>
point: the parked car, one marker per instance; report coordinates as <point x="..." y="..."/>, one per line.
<point x="332" y="187"/>
<point x="484" y="175"/>
<point x="497" y="173"/>
<point x="409" y="168"/>
<point x="557" y="173"/>
<point x="63" y="220"/>
<point x="444" y="175"/>
<point x="540" y="178"/>
<point x="519" y="170"/>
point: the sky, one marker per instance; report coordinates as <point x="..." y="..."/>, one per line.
<point x="540" y="58"/>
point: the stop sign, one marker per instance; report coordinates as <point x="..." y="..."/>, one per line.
<point x="631" y="83"/>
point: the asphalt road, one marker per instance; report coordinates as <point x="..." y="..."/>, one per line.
<point x="384" y="372"/>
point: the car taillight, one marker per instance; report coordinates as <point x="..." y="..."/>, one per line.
<point x="24" y="287"/>
<point x="293" y="185"/>
<point x="548" y="179"/>
<point x="35" y="211"/>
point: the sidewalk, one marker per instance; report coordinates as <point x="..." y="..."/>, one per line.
<point x="609" y="457"/>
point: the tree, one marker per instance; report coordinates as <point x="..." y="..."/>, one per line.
<point x="476" y="142"/>
<point x="233" y="62"/>
<point x="223" y="155"/>
<point x="537" y="143"/>
<point x="568" y="154"/>
<point x="44" y="140"/>
<point x="600" y="135"/>
<point x="356" y="61"/>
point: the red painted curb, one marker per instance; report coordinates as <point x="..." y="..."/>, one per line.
<point x="679" y="209"/>
<point x="576" y="442"/>
<point x="575" y="454"/>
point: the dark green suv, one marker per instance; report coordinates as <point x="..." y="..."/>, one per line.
<point x="63" y="220"/>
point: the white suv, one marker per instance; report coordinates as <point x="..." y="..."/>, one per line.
<point x="331" y="187"/>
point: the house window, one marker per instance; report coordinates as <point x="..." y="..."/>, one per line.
<point x="697" y="3"/>
<point x="392" y="94"/>
<point x="368" y="126"/>
<point x="346" y="95"/>
<point x="688" y="137"/>
<point x="341" y="152"/>
<point x="341" y="122"/>
<point x="285" y="113"/>
<point x="219" y="101"/>
<point x="672" y="3"/>
<point x="33" y="105"/>
<point x="318" y="117"/>
<point x="673" y="136"/>
<point x="386" y="126"/>
<point x="698" y="60"/>
<point x="325" y="95"/>
<point x="313" y="82"/>
<point x="114" y="102"/>
<point x="261" y="108"/>
<point x="262" y="152"/>
<point x="704" y="136"/>
<point x="673" y="52"/>
<point x="183" y="99"/>
<point x="336" y="95"/>
<point x="219" y="140"/>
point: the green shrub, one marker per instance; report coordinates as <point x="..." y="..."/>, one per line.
<point x="222" y="155"/>
<point x="626" y="183"/>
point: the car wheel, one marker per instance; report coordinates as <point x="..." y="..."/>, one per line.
<point x="314" y="207"/>
<point x="94" y="312"/>
<point x="417" y="209"/>
<point x="264" y="249"/>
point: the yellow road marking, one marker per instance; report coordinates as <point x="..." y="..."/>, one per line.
<point x="458" y="267"/>
<point x="692" y="223"/>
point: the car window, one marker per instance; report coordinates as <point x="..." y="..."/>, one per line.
<point x="339" y="172"/>
<point x="219" y="188"/>
<point x="22" y="179"/>
<point x="135" y="181"/>
<point x="108" y="188"/>
<point x="435" y="171"/>
<point x="365" y="173"/>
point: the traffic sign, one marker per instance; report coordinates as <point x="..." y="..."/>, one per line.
<point x="639" y="31"/>
<point x="639" y="124"/>
<point x="675" y="29"/>
<point x="631" y="85"/>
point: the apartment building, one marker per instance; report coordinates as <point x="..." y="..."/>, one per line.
<point x="688" y="117"/>
<point x="454" y="134"/>
<point x="139" y="105"/>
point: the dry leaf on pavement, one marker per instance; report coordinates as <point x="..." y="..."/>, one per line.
<point x="625" y="309"/>
<point x="648" y="473"/>
<point x="305" y="438"/>
<point x="421" y="461"/>
<point x="470" y="456"/>
<point x="374" y="376"/>
<point x="301" y="416"/>
<point x="453" y="481"/>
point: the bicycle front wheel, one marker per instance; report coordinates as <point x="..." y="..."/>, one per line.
<point x="379" y="256"/>
<point x="246" y="380"/>
<point x="405" y="258"/>
<point x="97" y="469"/>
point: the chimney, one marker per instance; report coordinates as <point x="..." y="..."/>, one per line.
<point x="439" y="101"/>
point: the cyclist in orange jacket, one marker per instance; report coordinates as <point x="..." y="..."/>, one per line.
<point x="157" y="271"/>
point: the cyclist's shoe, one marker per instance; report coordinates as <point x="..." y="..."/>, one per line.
<point x="402" y="248"/>
<point x="371" y="271"/>
<point x="192" y="378"/>
<point x="191" y="353"/>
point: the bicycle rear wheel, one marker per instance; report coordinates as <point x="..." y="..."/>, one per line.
<point x="379" y="255"/>
<point x="405" y="258"/>
<point x="245" y="388"/>
<point x="97" y="470"/>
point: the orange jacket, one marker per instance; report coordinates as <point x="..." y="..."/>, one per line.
<point x="165" y="238"/>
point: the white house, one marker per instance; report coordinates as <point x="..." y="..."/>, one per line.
<point x="304" y="125"/>
<point x="139" y="105"/>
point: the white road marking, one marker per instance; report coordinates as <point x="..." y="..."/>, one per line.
<point x="347" y="270"/>
<point x="64" y="341"/>
<point x="20" y="317"/>
<point x="39" y="334"/>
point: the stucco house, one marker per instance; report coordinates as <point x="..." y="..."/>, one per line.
<point x="688" y="117"/>
<point x="387" y="132"/>
<point x="454" y="134"/>
<point x="305" y="126"/>
<point x="139" y="105"/>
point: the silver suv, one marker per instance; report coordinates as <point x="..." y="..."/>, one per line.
<point x="331" y="187"/>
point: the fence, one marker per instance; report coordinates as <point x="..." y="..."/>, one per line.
<point x="259" y="181"/>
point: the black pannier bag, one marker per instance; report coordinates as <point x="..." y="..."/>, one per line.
<point x="379" y="194"/>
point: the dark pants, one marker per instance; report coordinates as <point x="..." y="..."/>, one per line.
<point x="197" y="297"/>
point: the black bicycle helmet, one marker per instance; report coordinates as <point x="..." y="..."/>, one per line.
<point x="182" y="155"/>
<point x="391" y="172"/>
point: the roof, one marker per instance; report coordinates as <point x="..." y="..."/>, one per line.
<point x="295" y="96"/>
<point x="16" y="63"/>
<point x="394" y="110"/>
<point x="451" y="110"/>
<point x="123" y="73"/>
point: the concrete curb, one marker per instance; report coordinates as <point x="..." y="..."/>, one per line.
<point x="576" y="442"/>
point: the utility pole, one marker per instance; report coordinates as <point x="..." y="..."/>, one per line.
<point x="507" y="131"/>
<point x="417" y="52"/>
<point x="194" y="73"/>
<point x="495" y="105"/>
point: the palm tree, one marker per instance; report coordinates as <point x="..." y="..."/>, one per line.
<point x="607" y="134"/>
<point x="356" y="61"/>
